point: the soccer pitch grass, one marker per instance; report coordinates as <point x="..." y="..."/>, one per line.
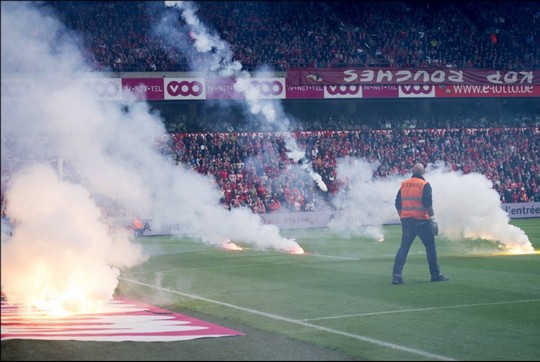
<point x="334" y="302"/>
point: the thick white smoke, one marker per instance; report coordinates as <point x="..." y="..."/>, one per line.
<point x="466" y="206"/>
<point x="365" y="204"/>
<point x="214" y="56"/>
<point x="61" y="251"/>
<point x="67" y="153"/>
<point x="62" y="254"/>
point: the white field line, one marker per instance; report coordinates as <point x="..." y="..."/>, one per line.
<point x="412" y="252"/>
<point x="421" y="309"/>
<point x="259" y="264"/>
<point x="234" y="266"/>
<point x="303" y="323"/>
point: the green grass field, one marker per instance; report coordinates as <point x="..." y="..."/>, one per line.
<point x="338" y="298"/>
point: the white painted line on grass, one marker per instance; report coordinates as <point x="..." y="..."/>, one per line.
<point x="360" y="257"/>
<point x="330" y="256"/>
<point x="238" y="265"/>
<point x="420" y="309"/>
<point x="210" y="267"/>
<point x="303" y="323"/>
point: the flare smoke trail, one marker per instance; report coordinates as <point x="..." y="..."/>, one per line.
<point x="213" y="55"/>
<point x="61" y="253"/>
<point x="364" y="206"/>
<point x="466" y="206"/>
<point x="110" y="166"/>
<point x="474" y="221"/>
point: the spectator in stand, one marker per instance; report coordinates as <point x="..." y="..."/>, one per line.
<point x="274" y="205"/>
<point x="119" y="37"/>
<point x="509" y="157"/>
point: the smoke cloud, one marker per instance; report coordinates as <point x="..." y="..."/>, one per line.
<point x="61" y="252"/>
<point x="367" y="203"/>
<point x="74" y="163"/>
<point x="214" y="56"/>
<point x="466" y="206"/>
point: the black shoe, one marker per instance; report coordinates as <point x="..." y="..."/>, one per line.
<point x="397" y="280"/>
<point x="439" y="278"/>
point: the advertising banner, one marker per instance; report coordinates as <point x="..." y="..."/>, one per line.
<point x="101" y="88"/>
<point x="144" y="88"/>
<point x="185" y="88"/>
<point x="380" y="91"/>
<point x="372" y="76"/>
<point x="221" y="88"/>
<point x="105" y="88"/>
<point x="343" y="91"/>
<point x="263" y="88"/>
<point x="321" y="219"/>
<point x="486" y="91"/>
<point x="416" y="91"/>
<point x="305" y="92"/>
<point x="522" y="210"/>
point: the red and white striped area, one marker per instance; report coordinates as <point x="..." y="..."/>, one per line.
<point x="122" y="320"/>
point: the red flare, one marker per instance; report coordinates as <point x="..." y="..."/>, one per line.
<point x="231" y="246"/>
<point x="297" y="250"/>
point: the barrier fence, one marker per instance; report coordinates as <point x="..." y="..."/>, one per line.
<point x="322" y="218"/>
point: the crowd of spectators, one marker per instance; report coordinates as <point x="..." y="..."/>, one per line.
<point x="253" y="169"/>
<point x="256" y="170"/>
<point x="317" y="34"/>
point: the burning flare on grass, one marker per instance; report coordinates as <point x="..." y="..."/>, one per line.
<point x="229" y="245"/>
<point x="62" y="258"/>
<point x="65" y="252"/>
<point x="368" y="203"/>
<point x="296" y="250"/>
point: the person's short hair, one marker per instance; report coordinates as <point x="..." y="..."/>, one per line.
<point x="418" y="169"/>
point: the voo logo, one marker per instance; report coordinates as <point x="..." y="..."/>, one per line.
<point x="185" y="88"/>
<point x="268" y="87"/>
<point x="343" y="91"/>
<point x="423" y="90"/>
<point x="105" y="89"/>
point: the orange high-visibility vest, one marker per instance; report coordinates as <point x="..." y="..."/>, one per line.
<point x="137" y="224"/>
<point x="411" y="199"/>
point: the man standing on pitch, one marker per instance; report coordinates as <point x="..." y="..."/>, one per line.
<point x="414" y="205"/>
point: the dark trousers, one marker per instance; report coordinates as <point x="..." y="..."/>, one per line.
<point x="410" y="229"/>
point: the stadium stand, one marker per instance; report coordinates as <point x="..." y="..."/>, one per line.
<point x="251" y="167"/>
<point x="320" y="34"/>
<point x="496" y="153"/>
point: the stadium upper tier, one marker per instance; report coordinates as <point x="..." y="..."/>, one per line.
<point x="119" y="36"/>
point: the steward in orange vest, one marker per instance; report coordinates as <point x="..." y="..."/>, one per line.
<point x="138" y="226"/>
<point x="414" y="199"/>
<point x="414" y="204"/>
